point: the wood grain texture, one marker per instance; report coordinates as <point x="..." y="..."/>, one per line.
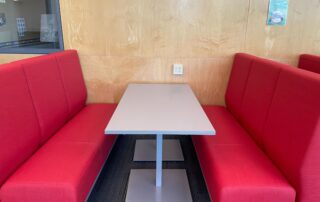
<point x="124" y="41"/>
<point x="300" y="35"/>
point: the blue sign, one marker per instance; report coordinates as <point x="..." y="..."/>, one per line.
<point x="278" y="12"/>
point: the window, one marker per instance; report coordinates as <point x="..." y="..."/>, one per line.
<point x="30" y="26"/>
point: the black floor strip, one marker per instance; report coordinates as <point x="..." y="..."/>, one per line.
<point x="112" y="182"/>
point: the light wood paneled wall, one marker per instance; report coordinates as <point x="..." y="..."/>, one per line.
<point x="123" y="41"/>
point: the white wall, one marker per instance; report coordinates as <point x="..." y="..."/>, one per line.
<point x="8" y="32"/>
<point x="31" y="10"/>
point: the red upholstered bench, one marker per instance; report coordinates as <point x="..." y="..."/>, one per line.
<point x="52" y="145"/>
<point x="310" y="63"/>
<point x="268" y="136"/>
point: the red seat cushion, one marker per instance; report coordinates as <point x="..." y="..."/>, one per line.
<point x="228" y="130"/>
<point x="243" y="174"/>
<point x="56" y="172"/>
<point x="292" y="131"/>
<point x="310" y="63"/>
<point x="47" y="93"/>
<point x="72" y="79"/>
<point x="19" y="127"/>
<point x="88" y="126"/>
<point x="234" y="168"/>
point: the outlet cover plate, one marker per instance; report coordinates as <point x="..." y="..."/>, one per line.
<point x="177" y="69"/>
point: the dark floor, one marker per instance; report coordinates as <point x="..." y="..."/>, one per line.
<point x="112" y="182"/>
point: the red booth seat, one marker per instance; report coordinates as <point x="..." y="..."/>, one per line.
<point x="52" y="144"/>
<point x="310" y="63"/>
<point x="267" y="136"/>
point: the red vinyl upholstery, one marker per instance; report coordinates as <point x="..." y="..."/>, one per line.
<point x="57" y="172"/>
<point x="43" y="104"/>
<point x="234" y="167"/>
<point x="47" y="93"/>
<point x="250" y="91"/>
<point x="257" y="97"/>
<point x="20" y="133"/>
<point x="242" y="173"/>
<point x="237" y="82"/>
<point x="310" y="63"/>
<point x="292" y="131"/>
<point x="278" y="107"/>
<point x="88" y="127"/>
<point x="58" y="167"/>
<point x="72" y="79"/>
<point x="228" y="130"/>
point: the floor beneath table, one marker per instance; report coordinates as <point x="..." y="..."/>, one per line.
<point x="112" y="182"/>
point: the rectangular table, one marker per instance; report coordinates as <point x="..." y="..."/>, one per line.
<point x="158" y="109"/>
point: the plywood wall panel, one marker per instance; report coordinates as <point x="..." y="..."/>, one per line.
<point x="98" y="76"/>
<point x="124" y="41"/>
<point x="125" y="28"/>
<point x="207" y="76"/>
<point x="284" y="42"/>
<point x="84" y="26"/>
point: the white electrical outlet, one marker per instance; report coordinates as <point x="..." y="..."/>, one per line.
<point x="177" y="69"/>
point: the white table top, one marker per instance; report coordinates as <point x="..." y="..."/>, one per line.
<point x="170" y="109"/>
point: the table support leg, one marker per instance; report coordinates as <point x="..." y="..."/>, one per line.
<point x="159" y="160"/>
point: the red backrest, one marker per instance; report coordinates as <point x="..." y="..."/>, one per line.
<point x="292" y="131"/>
<point x="279" y="106"/>
<point x="20" y="133"/>
<point x="237" y="82"/>
<point x="250" y="90"/>
<point x="72" y="79"/>
<point x="310" y="63"/>
<point x="258" y="95"/>
<point x="47" y="93"/>
<point x="38" y="95"/>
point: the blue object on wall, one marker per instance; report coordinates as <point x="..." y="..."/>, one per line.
<point x="278" y="12"/>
